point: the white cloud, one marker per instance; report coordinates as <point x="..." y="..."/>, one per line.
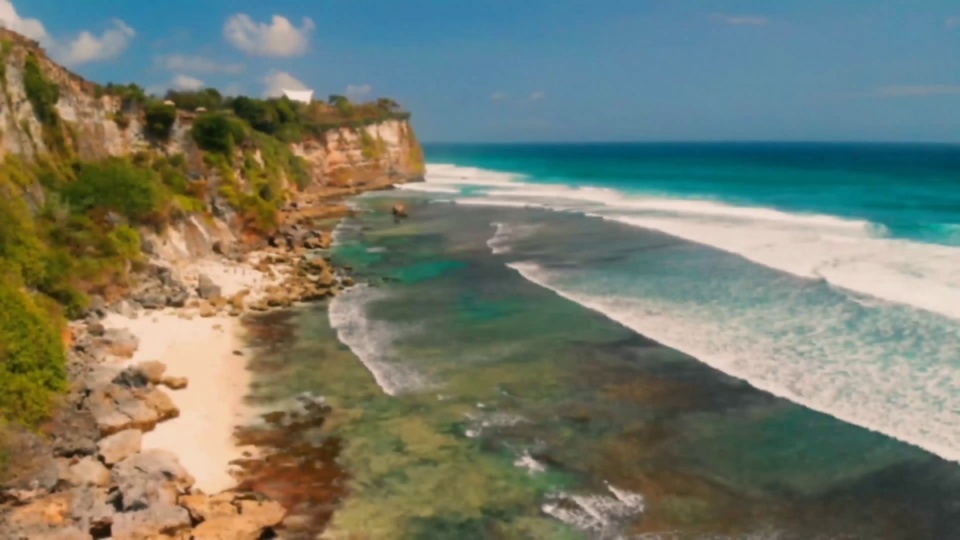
<point x="87" y="47"/>
<point x="498" y="96"/>
<point x="196" y="64"/>
<point x="186" y="82"/>
<point x="537" y="96"/>
<point x="953" y="22"/>
<point x="277" y="81"/>
<point x="743" y="20"/>
<point x="916" y="91"/>
<point x="358" y="92"/>
<point x="278" y="38"/>
<point x="10" y="19"/>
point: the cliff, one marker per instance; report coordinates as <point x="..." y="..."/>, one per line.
<point x="101" y="185"/>
<point x="97" y="125"/>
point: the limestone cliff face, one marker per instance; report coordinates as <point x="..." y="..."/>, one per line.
<point x="342" y="156"/>
<point x="351" y="156"/>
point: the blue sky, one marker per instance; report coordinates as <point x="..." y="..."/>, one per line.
<point x="548" y="70"/>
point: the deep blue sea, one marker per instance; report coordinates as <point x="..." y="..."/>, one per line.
<point x="676" y="341"/>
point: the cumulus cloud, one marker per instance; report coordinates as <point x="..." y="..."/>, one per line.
<point x="10" y="19"/>
<point x="85" y="47"/>
<point x="277" y="81"/>
<point x="537" y="96"/>
<point x="277" y="38"/>
<point x="196" y="64"/>
<point x="186" y="82"/>
<point x="359" y="92"/>
<point x="916" y="91"/>
<point x="743" y="20"/>
<point x="498" y="96"/>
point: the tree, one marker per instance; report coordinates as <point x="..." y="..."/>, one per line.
<point x="160" y="119"/>
<point x="387" y="104"/>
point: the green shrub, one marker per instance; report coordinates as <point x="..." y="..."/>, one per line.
<point x="219" y="133"/>
<point x="32" y="360"/>
<point x="120" y="186"/>
<point x="121" y="120"/>
<point x="160" y="120"/>
<point x="42" y="93"/>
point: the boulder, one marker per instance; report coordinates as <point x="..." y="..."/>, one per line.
<point x="119" y="342"/>
<point x="204" y="507"/>
<point x="206" y="288"/>
<point x="207" y="310"/>
<point x="151" y="523"/>
<point x="178" y="299"/>
<point x="124" y="308"/>
<point x="237" y="300"/>
<point x="87" y="472"/>
<point x="120" y="446"/>
<point x="95" y="328"/>
<point x="160" y="401"/>
<point x="152" y="370"/>
<point x="254" y="518"/>
<point x="152" y="300"/>
<point x="74" y="432"/>
<point x="399" y="210"/>
<point x="117" y="408"/>
<point x="74" y="513"/>
<point x="150" y="478"/>
<point x="175" y="383"/>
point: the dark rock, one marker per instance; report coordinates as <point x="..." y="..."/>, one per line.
<point x="119" y="341"/>
<point x="161" y="521"/>
<point x="178" y="299"/>
<point x="74" y="432"/>
<point x="150" y="478"/>
<point x="152" y="300"/>
<point x="399" y="210"/>
<point x="152" y="370"/>
<point x="207" y="289"/>
<point x="131" y="378"/>
<point x="95" y="328"/>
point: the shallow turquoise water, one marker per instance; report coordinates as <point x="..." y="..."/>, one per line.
<point x="474" y="403"/>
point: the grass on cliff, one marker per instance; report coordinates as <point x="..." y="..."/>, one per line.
<point x="67" y="229"/>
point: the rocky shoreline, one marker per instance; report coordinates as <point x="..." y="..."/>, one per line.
<point x="89" y="474"/>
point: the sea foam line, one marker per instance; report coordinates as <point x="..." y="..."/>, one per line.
<point x="847" y="253"/>
<point x="899" y="402"/>
<point x="371" y="340"/>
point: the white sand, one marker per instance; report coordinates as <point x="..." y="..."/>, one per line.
<point x="212" y="403"/>
<point x="200" y="349"/>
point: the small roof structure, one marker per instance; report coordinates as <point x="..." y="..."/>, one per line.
<point x="303" y="96"/>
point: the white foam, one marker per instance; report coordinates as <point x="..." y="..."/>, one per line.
<point x="371" y="340"/>
<point x="847" y="253"/>
<point x="924" y="276"/>
<point x="866" y="376"/>
<point x="426" y="188"/>
<point x="532" y="466"/>
<point x="598" y="514"/>
<point x="506" y="233"/>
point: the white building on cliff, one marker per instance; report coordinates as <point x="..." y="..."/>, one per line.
<point x="303" y="96"/>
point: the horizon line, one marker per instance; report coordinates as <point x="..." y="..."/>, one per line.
<point x="700" y="141"/>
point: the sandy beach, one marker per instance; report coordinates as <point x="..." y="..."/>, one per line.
<point x="208" y="352"/>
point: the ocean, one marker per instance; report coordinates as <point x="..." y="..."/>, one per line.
<point x="696" y="341"/>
